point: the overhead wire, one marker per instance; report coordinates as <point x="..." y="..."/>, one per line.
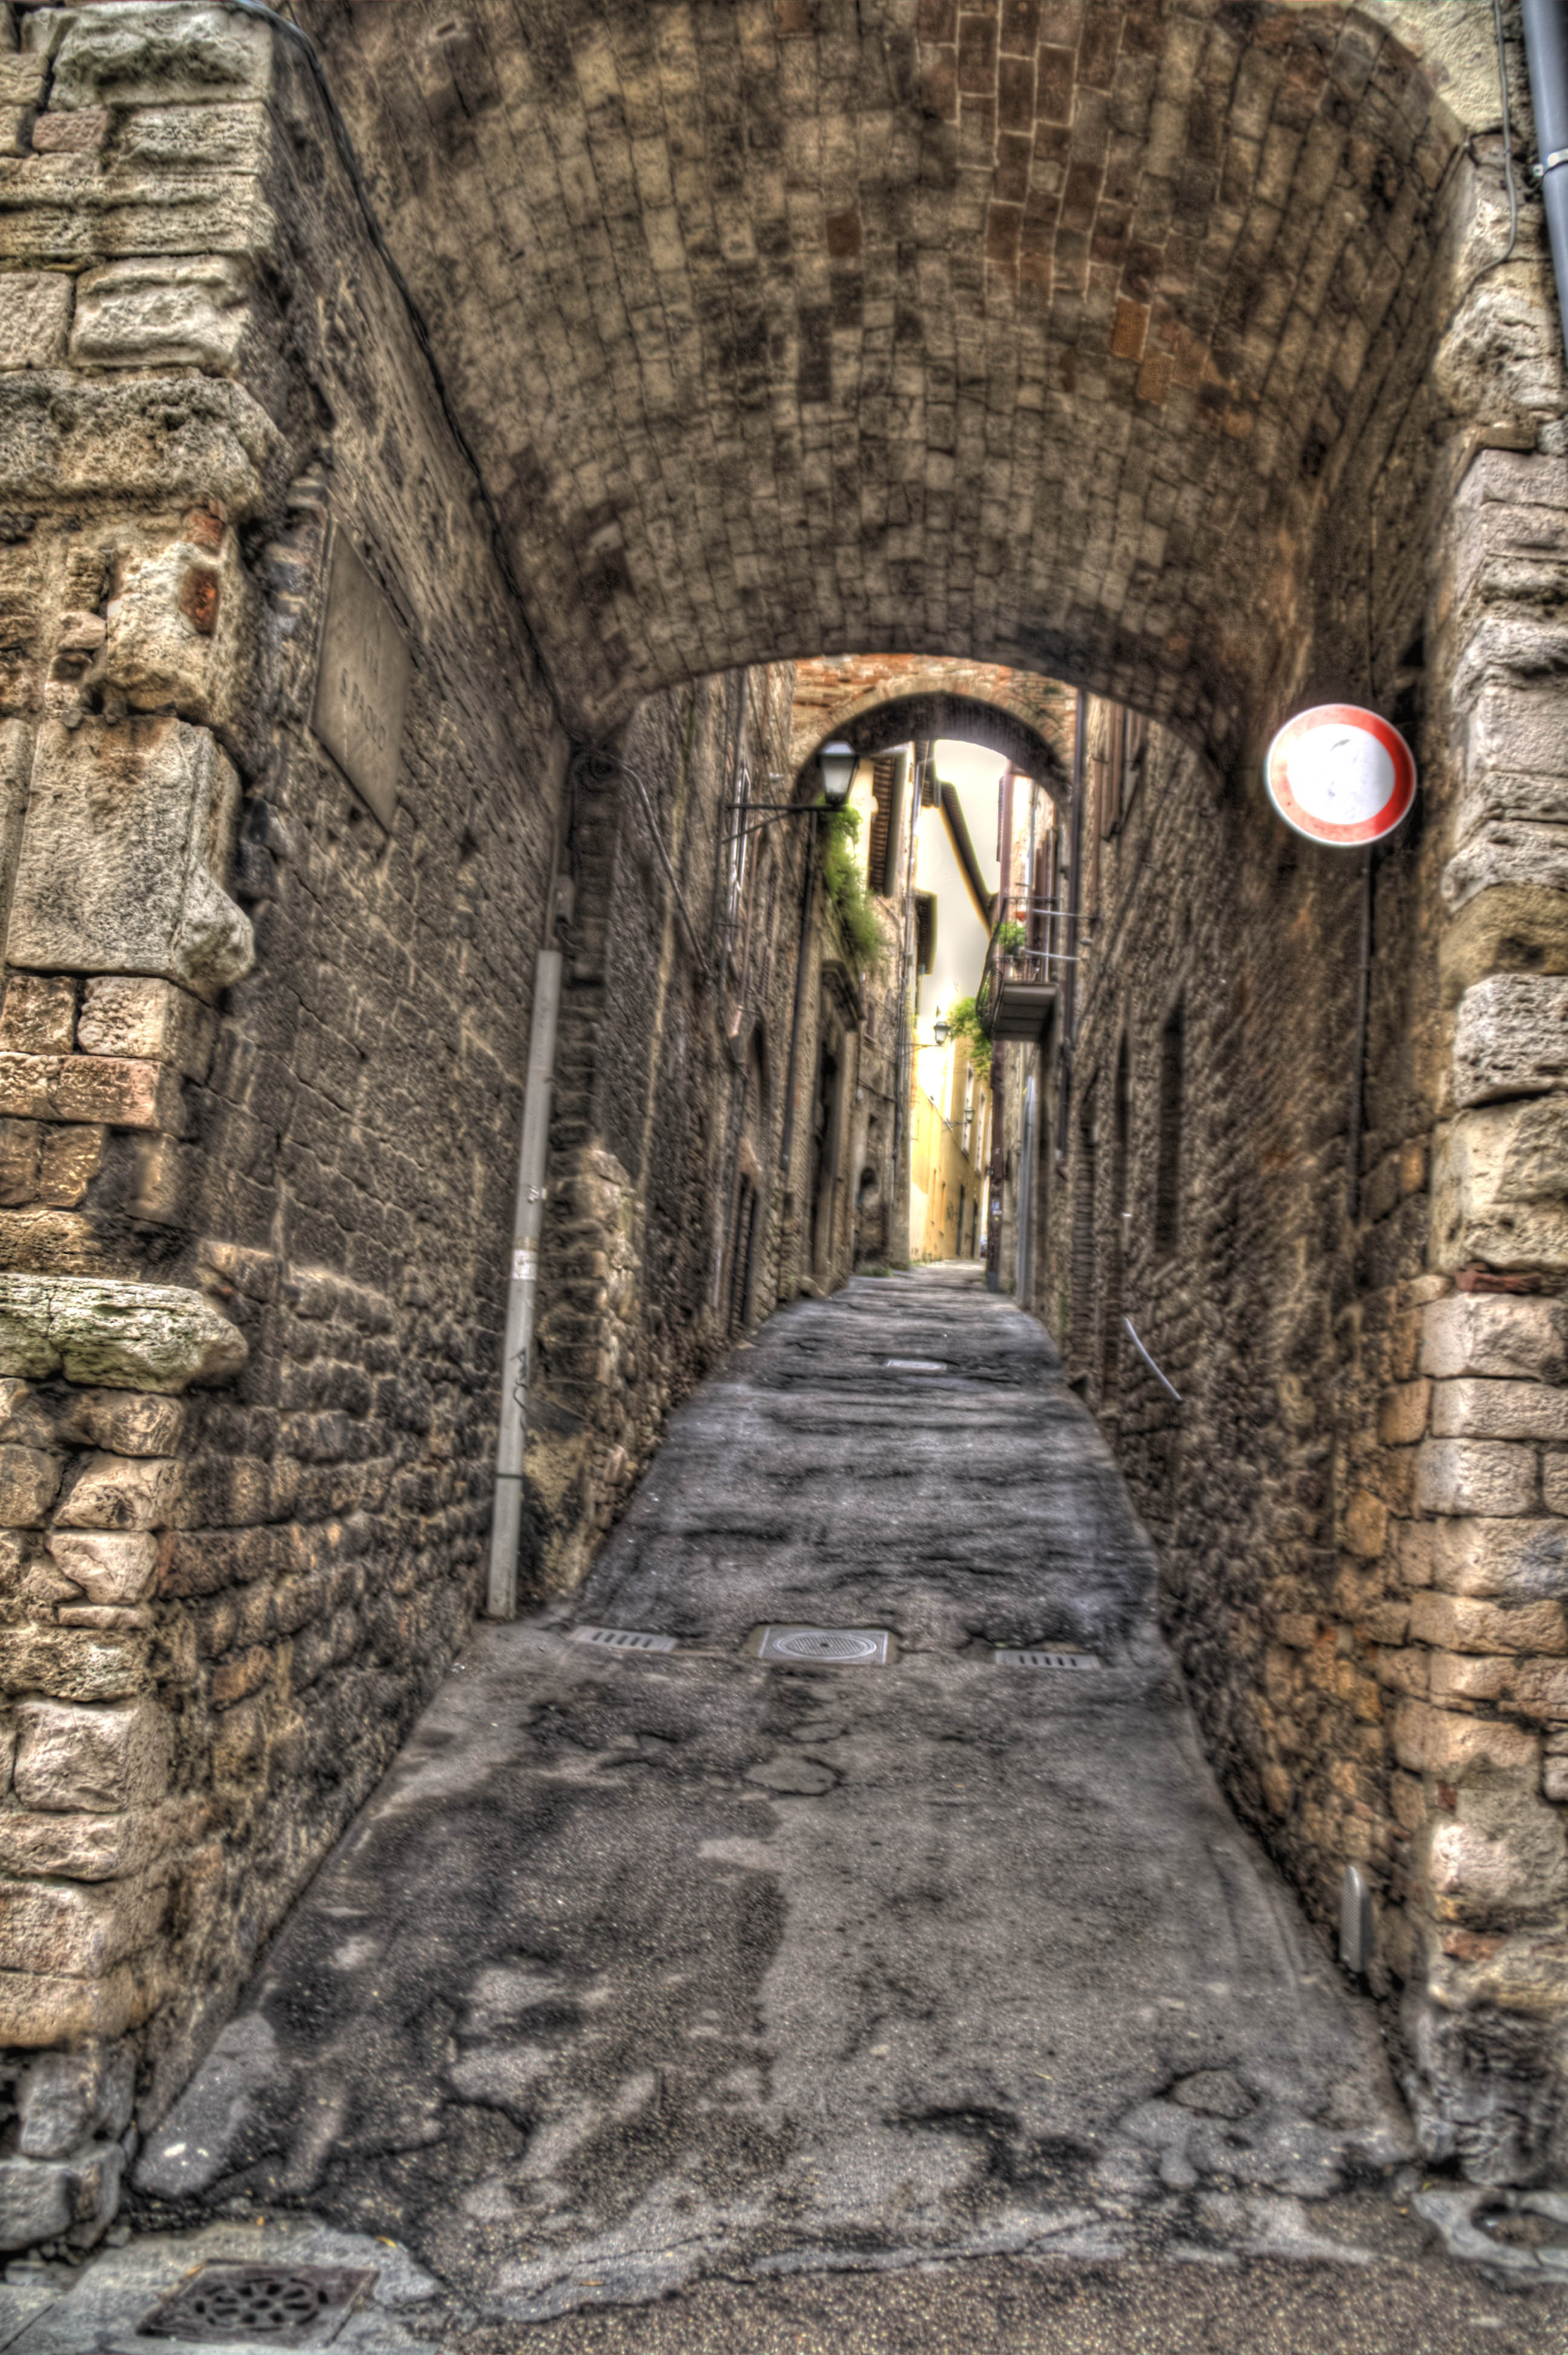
<point x="1507" y="138"/>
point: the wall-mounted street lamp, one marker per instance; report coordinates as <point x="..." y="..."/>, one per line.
<point x="942" y="1030"/>
<point x="836" y="764"/>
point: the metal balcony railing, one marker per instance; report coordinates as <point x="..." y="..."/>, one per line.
<point x="1025" y="964"/>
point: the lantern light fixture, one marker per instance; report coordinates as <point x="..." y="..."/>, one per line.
<point x="837" y="762"/>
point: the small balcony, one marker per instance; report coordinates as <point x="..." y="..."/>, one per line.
<point x="1018" y="992"/>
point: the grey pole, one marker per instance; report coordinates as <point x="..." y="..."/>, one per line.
<point x="1546" y="48"/>
<point x="505" y="1526"/>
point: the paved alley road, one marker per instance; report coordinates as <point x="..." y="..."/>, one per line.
<point x="645" y="1967"/>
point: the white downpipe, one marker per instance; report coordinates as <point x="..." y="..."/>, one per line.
<point x="527" y="1217"/>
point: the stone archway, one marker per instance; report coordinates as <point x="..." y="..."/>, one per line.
<point x="1169" y="355"/>
<point x="994" y="332"/>
<point x="874" y="702"/>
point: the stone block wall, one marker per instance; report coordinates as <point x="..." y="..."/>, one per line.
<point x="680" y="1195"/>
<point x="1357" y="1282"/>
<point x="261" y="1057"/>
<point x="671" y="1004"/>
<point x="1360" y="1498"/>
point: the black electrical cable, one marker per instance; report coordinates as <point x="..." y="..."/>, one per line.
<point x="1507" y="138"/>
<point x="350" y="164"/>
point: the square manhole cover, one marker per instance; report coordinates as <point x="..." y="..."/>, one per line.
<point x="1033" y="1659"/>
<point x="826" y="1647"/>
<point x="260" y="2305"/>
<point x="622" y="1639"/>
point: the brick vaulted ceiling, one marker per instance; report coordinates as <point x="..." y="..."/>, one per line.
<point x="875" y="701"/>
<point x="1022" y="332"/>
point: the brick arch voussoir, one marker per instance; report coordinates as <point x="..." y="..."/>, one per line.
<point x="957" y="718"/>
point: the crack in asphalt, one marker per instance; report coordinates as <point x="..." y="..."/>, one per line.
<point x="669" y="1965"/>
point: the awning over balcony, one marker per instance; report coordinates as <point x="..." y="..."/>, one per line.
<point x="1023" y="1010"/>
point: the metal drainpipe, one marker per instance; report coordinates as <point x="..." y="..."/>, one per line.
<point x="507" y="1518"/>
<point x="809" y="893"/>
<point x="998" y="1050"/>
<point x="1546" y="50"/>
<point x="1067" y="1014"/>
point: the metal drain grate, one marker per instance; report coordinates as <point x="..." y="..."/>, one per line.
<point x="622" y="1639"/>
<point x="833" y="1647"/>
<point x="1031" y="1659"/>
<point x="915" y="1365"/>
<point x="262" y="2306"/>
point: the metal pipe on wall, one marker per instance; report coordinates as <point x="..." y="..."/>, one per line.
<point x="1546" y="51"/>
<point x="792" y="1075"/>
<point x="1068" y="1034"/>
<point x="522" y="1290"/>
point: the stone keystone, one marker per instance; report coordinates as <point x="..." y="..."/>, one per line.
<point x="123" y="1336"/>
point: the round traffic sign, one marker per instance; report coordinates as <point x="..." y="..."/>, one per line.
<point x="1339" y="774"/>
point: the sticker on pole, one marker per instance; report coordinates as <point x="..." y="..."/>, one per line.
<point x="1339" y="774"/>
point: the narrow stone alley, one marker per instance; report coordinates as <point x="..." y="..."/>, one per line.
<point x="646" y="1966"/>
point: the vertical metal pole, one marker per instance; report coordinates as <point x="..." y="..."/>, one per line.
<point x="998" y="1164"/>
<point x="1546" y="51"/>
<point x="1072" y="948"/>
<point x="527" y="1219"/>
<point x="1358" y="1073"/>
<point x="808" y="891"/>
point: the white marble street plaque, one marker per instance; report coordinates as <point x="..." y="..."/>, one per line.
<point x="362" y="683"/>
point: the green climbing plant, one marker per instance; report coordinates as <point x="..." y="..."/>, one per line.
<point x="963" y="1019"/>
<point x="846" y="889"/>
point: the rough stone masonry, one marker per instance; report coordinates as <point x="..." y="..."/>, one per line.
<point x="261" y="1055"/>
<point x="1172" y="352"/>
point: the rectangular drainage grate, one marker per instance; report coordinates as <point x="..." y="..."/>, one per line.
<point x="622" y="1639"/>
<point x="260" y="2305"/>
<point x="915" y="1365"/>
<point x="1033" y="1660"/>
<point x="826" y="1647"/>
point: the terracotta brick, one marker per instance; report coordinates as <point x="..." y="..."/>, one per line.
<point x="976" y="52"/>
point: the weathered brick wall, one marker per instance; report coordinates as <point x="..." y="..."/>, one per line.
<point x="263" y="1066"/>
<point x="263" y="1059"/>
<point x="669" y="1229"/>
<point x="1357" y="1501"/>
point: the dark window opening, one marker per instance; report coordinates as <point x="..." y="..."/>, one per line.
<point x="924" y="930"/>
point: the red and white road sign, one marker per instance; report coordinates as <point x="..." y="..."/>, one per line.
<point x="1339" y="774"/>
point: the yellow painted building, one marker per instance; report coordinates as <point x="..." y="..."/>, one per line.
<point x="956" y="873"/>
<point x="950" y="1143"/>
